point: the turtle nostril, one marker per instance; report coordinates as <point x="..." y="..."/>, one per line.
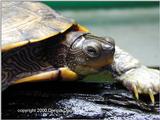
<point x="108" y="47"/>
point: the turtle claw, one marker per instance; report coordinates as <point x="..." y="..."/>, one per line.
<point x="142" y="80"/>
<point x="151" y="96"/>
<point x="135" y="92"/>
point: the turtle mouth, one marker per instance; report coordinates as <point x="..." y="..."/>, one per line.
<point x="89" y="69"/>
<point x="85" y="70"/>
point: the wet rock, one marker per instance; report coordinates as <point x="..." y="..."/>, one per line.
<point x="119" y="113"/>
<point x="60" y="100"/>
<point x="82" y="108"/>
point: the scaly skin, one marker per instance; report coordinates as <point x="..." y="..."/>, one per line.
<point x="135" y="76"/>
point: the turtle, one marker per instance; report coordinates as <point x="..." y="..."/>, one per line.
<point x="39" y="44"/>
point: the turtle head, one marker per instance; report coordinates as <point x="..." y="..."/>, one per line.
<point x="87" y="53"/>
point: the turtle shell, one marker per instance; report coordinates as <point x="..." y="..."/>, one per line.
<point x="27" y="22"/>
<point x="32" y="34"/>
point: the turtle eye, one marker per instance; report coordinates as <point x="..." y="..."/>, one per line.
<point x="92" y="51"/>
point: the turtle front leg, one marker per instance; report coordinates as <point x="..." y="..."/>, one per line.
<point x="136" y="77"/>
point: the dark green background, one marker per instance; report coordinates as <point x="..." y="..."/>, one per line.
<point x="100" y="4"/>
